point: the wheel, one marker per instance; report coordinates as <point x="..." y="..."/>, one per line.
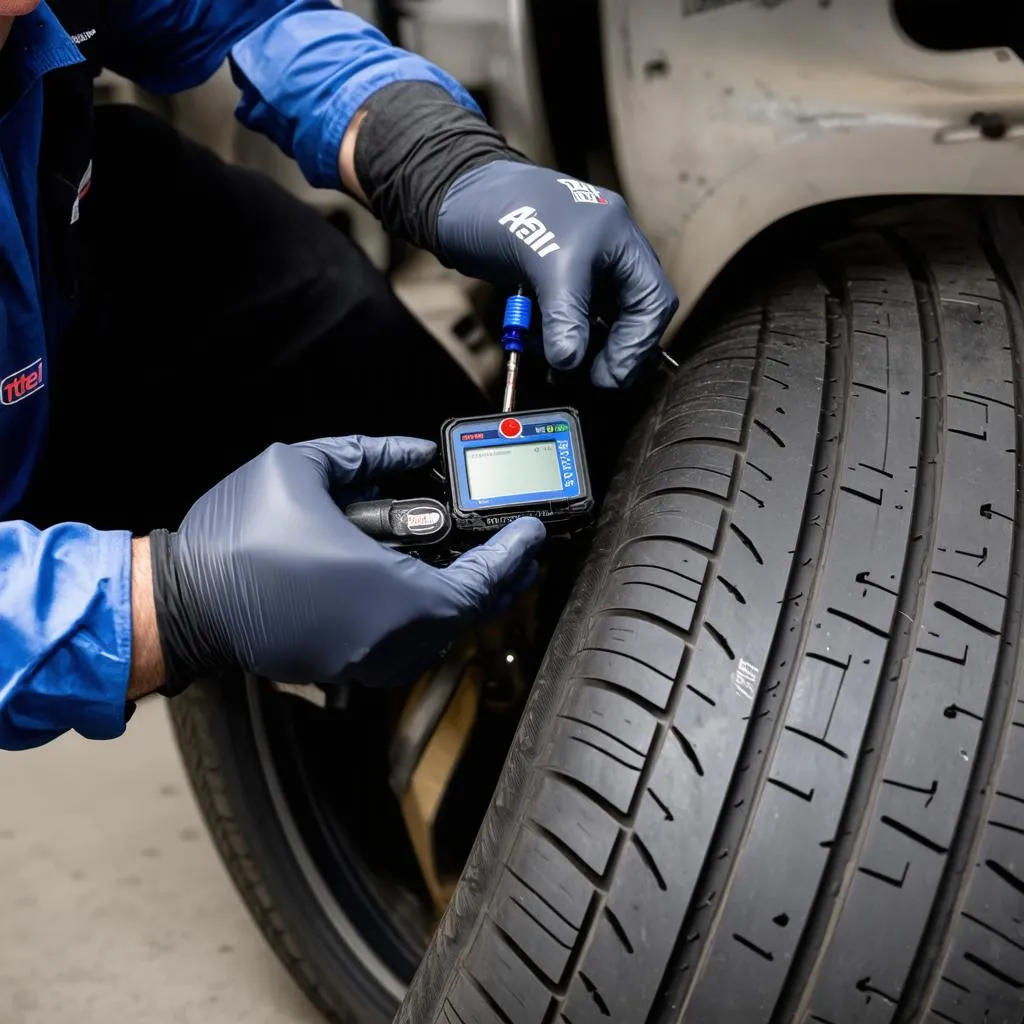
<point x="773" y="768"/>
<point x="345" y="828"/>
<point x="298" y="809"/>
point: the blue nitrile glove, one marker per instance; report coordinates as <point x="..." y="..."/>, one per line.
<point x="511" y="223"/>
<point x="266" y="574"/>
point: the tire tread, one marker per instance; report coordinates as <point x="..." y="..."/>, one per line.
<point x="818" y="529"/>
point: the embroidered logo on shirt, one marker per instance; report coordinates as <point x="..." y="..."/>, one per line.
<point x="582" y="192"/>
<point x="83" y="191"/>
<point x="22" y="383"/>
<point x="83" y="37"/>
<point x="523" y="224"/>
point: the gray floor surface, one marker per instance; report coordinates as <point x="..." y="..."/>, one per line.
<point x="113" y="904"/>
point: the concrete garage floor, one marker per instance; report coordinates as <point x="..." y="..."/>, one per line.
<point x="113" y="904"/>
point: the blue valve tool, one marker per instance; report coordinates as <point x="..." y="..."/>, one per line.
<point x="518" y="315"/>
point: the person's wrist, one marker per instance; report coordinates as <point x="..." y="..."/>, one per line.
<point x="347" y="159"/>
<point x="147" y="663"/>
<point x="412" y="143"/>
<point x="187" y="636"/>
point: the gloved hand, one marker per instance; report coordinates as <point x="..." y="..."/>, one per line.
<point x="267" y="574"/>
<point x="512" y="223"/>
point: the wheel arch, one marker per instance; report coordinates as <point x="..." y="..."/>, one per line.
<point x="728" y="117"/>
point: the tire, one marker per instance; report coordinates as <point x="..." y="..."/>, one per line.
<point x="773" y="767"/>
<point x="292" y="888"/>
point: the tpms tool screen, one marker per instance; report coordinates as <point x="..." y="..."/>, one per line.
<point x="509" y="471"/>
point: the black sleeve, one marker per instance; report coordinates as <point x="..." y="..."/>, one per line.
<point x="414" y="143"/>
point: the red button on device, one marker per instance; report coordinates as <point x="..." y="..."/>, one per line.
<point x="510" y="428"/>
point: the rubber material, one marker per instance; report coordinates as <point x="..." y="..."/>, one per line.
<point x="219" y="737"/>
<point x="773" y="766"/>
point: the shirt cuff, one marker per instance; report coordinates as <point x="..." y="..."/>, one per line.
<point x="104" y="709"/>
<point x="68" y="633"/>
<point x="305" y="72"/>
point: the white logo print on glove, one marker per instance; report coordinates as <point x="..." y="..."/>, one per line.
<point x="582" y="192"/>
<point x="523" y="224"/>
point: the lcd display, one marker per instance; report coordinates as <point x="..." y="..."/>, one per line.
<point x="508" y="471"/>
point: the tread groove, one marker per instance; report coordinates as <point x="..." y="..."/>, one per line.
<point x="868" y="774"/>
<point x="616" y="926"/>
<point x="966" y="619"/>
<point x="688" y="751"/>
<point x="486" y="996"/>
<point x="604" y="750"/>
<point x="455" y="1013"/>
<point x="624" y="654"/>
<point x="929" y="961"/>
<point x="519" y="953"/>
<point x="720" y="640"/>
<point x="1006" y="875"/>
<point x="703" y="696"/>
<point x="651" y="618"/>
<point x="602" y="1006"/>
<point x="754" y="948"/>
<point x="604" y="732"/>
<point x="906" y="830"/>
<point x="645" y="856"/>
<point x="584" y="788"/>
<point x="853" y="620"/>
<point x="624" y="566"/>
<point x="732" y="588"/>
<point x="771" y="433"/>
<point x="595" y="879"/>
<point x="994" y="931"/>
<point x="763" y="733"/>
<point x="991" y="969"/>
<point x="554" y="910"/>
<point x="747" y="543"/>
<point x="622" y="690"/>
<point x="691" y="492"/>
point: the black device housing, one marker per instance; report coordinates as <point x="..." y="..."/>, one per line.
<point x="559" y="516"/>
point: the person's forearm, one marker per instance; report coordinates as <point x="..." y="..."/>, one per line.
<point x="147" y="671"/>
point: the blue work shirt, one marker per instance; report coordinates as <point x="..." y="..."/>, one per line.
<point x="304" y="69"/>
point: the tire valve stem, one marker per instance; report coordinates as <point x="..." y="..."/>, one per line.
<point x="518" y="316"/>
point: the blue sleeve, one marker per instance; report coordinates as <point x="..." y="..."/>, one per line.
<point x="65" y="632"/>
<point x="304" y="68"/>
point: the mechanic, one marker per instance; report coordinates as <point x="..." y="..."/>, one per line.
<point x="165" y="317"/>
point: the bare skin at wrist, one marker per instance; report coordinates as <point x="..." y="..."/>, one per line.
<point x="147" y="670"/>
<point x="347" y="159"/>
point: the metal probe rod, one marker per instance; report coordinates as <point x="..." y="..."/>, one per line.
<point x="511" y="382"/>
<point x="518" y="315"/>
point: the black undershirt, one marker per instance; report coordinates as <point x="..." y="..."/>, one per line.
<point x="414" y="142"/>
<point x="11" y="86"/>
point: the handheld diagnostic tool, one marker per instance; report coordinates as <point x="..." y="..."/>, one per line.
<point x="496" y="468"/>
<point x="500" y="468"/>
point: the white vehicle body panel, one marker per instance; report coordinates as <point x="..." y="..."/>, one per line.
<point x="729" y="118"/>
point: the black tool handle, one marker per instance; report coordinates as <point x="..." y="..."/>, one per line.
<point x="405" y="523"/>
